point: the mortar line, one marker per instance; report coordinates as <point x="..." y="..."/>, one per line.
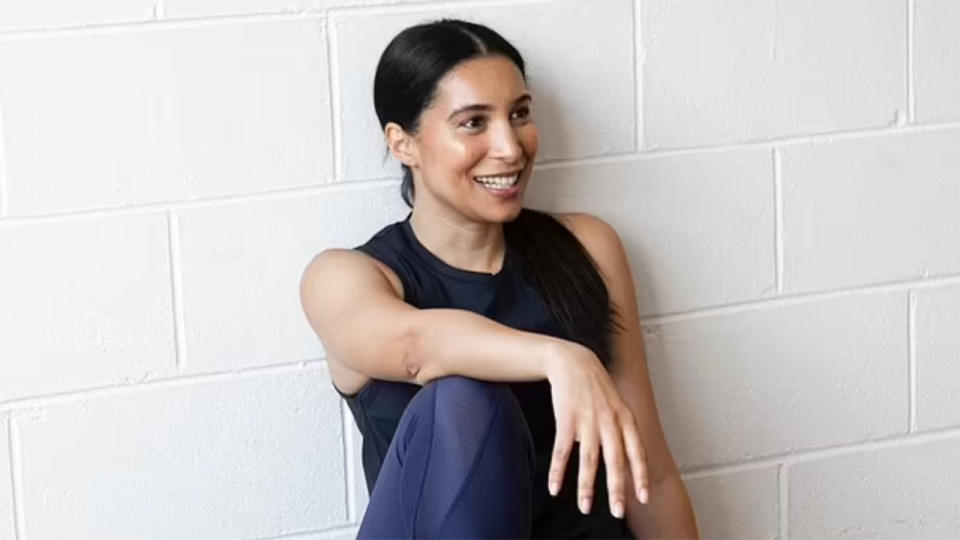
<point x="784" y="508"/>
<point x="801" y="298"/>
<point x="16" y="478"/>
<point x="838" y="450"/>
<point x="787" y="140"/>
<point x="176" y="289"/>
<point x="333" y="87"/>
<point x="911" y="89"/>
<point x="912" y="360"/>
<point x="778" y="219"/>
<point x="149" y="24"/>
<point x="208" y="202"/>
<point x="160" y="383"/>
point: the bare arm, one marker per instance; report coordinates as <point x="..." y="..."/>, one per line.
<point x="363" y="323"/>
<point x="669" y="513"/>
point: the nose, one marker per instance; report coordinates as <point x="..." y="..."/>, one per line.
<point x="505" y="144"/>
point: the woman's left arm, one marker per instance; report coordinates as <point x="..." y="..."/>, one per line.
<point x="668" y="514"/>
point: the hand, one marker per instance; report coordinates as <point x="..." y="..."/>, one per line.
<point x="589" y="409"/>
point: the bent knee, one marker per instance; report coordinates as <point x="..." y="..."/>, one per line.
<point x="470" y="389"/>
<point x="469" y="400"/>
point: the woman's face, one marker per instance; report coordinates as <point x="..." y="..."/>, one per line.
<point x="479" y="127"/>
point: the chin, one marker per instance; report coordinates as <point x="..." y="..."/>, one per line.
<point x="512" y="212"/>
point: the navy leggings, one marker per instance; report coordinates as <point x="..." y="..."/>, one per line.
<point x="461" y="465"/>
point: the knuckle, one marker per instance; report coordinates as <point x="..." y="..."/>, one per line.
<point x="585" y="487"/>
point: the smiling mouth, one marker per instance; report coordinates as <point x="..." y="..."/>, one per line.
<point x="501" y="181"/>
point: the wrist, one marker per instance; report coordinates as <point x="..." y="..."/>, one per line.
<point x="558" y="354"/>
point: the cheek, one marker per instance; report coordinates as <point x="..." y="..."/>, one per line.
<point x="464" y="151"/>
<point x="454" y="155"/>
<point x="530" y="138"/>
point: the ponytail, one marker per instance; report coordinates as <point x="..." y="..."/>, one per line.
<point x="557" y="265"/>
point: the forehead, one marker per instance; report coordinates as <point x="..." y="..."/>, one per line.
<point x="490" y="80"/>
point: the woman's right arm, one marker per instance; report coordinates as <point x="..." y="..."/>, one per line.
<point x="363" y="323"/>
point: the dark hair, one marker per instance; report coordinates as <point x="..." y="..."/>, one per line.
<point x="550" y="257"/>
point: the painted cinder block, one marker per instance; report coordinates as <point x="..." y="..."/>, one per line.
<point x="778" y="379"/>
<point x="7" y="521"/>
<point x="241" y="268"/>
<point x="164" y="114"/>
<point x="936" y="60"/>
<point x="870" y="210"/>
<point x="938" y="357"/>
<point x="360" y="496"/>
<point x="698" y="228"/>
<point x="561" y="42"/>
<point x="720" y="72"/>
<point x="86" y="302"/>
<point x="35" y="15"/>
<point x="736" y="505"/>
<point x="901" y="491"/>
<point x="241" y="457"/>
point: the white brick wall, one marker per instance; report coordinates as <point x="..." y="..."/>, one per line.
<point x="785" y="177"/>
<point x="7" y="524"/>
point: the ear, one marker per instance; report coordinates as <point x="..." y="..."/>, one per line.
<point x="402" y="145"/>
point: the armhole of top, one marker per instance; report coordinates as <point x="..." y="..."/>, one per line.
<point x="365" y="389"/>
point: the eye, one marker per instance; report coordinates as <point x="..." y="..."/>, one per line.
<point x="522" y="112"/>
<point x="474" y="122"/>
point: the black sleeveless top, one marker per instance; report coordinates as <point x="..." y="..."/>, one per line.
<point x="505" y="297"/>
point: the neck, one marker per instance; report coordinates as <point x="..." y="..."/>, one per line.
<point x="477" y="246"/>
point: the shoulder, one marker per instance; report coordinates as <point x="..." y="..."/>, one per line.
<point x="597" y="236"/>
<point x="333" y="265"/>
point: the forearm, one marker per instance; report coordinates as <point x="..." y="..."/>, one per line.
<point x="459" y="342"/>
<point x="668" y="514"/>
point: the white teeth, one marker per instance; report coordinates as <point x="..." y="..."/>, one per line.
<point x="498" y="181"/>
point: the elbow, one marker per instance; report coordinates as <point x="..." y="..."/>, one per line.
<point x="410" y="362"/>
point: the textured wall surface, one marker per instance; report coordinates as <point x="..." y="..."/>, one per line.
<point x="785" y="176"/>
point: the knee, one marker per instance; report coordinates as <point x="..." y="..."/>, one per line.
<point x="465" y="401"/>
<point x="468" y="389"/>
<point x="466" y="414"/>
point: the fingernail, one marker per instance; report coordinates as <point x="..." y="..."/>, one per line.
<point x="584" y="505"/>
<point x="618" y="509"/>
<point x="644" y="495"/>
<point x="554" y="488"/>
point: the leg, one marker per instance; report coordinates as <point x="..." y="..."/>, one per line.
<point x="460" y="465"/>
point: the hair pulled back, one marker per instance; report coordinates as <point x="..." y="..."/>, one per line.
<point x="550" y="257"/>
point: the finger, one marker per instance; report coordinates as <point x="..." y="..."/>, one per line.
<point x="589" y="454"/>
<point x="614" y="462"/>
<point x="562" y="444"/>
<point x="637" y="457"/>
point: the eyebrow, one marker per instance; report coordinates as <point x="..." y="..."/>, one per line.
<point x="485" y="107"/>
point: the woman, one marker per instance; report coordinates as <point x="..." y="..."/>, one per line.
<point x="477" y="342"/>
